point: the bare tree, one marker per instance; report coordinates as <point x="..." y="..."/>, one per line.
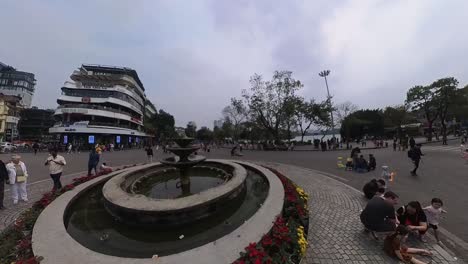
<point x="237" y="113"/>
<point x="343" y="110"/>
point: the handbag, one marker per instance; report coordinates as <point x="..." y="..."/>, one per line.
<point x="20" y="179"/>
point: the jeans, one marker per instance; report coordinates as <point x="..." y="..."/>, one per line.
<point x="56" y="179"/>
<point x="19" y="189"/>
<point x="416" y="165"/>
<point x="92" y="167"/>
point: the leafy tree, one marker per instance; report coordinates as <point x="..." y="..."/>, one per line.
<point x="344" y="109"/>
<point x="423" y="98"/>
<point x="205" y="134"/>
<point x="162" y="125"/>
<point x="396" y="117"/>
<point x="445" y="92"/>
<point x="311" y="113"/>
<point x="237" y="113"/>
<point x="459" y="108"/>
<point x="267" y="99"/>
<point x="363" y="122"/>
<point x="191" y="129"/>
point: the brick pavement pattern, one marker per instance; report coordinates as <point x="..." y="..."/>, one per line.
<point x="336" y="234"/>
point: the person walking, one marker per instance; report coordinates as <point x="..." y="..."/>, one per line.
<point x="3" y="180"/>
<point x="93" y="161"/>
<point x="35" y="148"/>
<point x="149" y="153"/>
<point x="55" y="163"/>
<point x="17" y="175"/>
<point x="415" y="155"/>
<point x="70" y="148"/>
<point x="412" y="142"/>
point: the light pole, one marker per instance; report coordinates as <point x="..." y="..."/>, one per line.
<point x="324" y="74"/>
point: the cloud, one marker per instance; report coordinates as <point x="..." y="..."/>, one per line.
<point x="192" y="57"/>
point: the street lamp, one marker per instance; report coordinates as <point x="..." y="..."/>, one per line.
<point x="324" y="74"/>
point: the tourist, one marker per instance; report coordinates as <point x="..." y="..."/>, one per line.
<point x="412" y="142"/>
<point x="70" y="148"/>
<point x="374" y="187"/>
<point x="415" y="155"/>
<point x="35" y="148"/>
<point x="412" y="216"/>
<point x="17" y="175"/>
<point x="393" y="247"/>
<point x="362" y="165"/>
<point x="379" y="213"/>
<point x="93" y="161"/>
<point x="394" y="144"/>
<point x="111" y="147"/>
<point x="372" y="163"/>
<point x="3" y="180"/>
<point x="433" y="213"/>
<point x="55" y="163"/>
<point x="149" y="153"/>
<point x="386" y="174"/>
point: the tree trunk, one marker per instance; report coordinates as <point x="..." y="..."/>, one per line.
<point x="429" y="136"/>
<point x="444" y="133"/>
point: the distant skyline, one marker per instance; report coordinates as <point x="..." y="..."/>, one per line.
<point x="193" y="56"/>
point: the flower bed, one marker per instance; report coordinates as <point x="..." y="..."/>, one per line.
<point x="15" y="241"/>
<point x="287" y="240"/>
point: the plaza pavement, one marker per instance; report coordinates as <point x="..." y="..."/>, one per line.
<point x="336" y="235"/>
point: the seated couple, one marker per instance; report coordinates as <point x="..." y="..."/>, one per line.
<point x="360" y="164"/>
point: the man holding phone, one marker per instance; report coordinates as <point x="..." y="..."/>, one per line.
<point x="55" y="163"/>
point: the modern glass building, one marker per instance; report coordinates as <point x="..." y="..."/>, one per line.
<point x="17" y="83"/>
<point x="102" y="104"/>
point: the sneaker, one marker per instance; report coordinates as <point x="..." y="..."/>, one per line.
<point x="25" y="200"/>
<point x="15" y="202"/>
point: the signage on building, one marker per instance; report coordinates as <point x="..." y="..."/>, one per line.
<point x="12" y="119"/>
<point x="117" y="139"/>
<point x="74" y="111"/>
<point x="70" y="129"/>
<point x="91" y="139"/>
<point x="129" y="139"/>
<point x="65" y="139"/>
<point x="81" y="123"/>
<point x="86" y="100"/>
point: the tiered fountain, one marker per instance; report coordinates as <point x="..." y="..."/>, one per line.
<point x="185" y="209"/>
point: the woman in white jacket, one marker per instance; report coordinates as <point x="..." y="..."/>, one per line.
<point x="17" y="175"/>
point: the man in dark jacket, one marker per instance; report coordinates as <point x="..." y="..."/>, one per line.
<point x="415" y="155"/>
<point x="3" y="180"/>
<point x="93" y="161"/>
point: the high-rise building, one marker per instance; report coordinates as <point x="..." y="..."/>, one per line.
<point x="102" y="104"/>
<point x="17" y="83"/>
<point x="10" y="108"/>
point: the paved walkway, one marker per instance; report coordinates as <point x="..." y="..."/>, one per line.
<point x="335" y="232"/>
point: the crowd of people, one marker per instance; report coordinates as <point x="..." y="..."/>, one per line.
<point x="380" y="217"/>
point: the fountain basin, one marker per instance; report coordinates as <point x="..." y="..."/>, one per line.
<point x="142" y="210"/>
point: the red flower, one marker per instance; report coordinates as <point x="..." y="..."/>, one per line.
<point x="267" y="241"/>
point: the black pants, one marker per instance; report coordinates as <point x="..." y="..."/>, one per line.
<point x="2" y="192"/>
<point x="91" y="167"/>
<point x="56" y="179"/>
<point x="416" y="165"/>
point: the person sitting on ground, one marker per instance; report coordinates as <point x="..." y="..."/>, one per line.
<point x="374" y="187"/>
<point x="349" y="164"/>
<point x="362" y="165"/>
<point x="394" y="248"/>
<point x="372" y="163"/>
<point x="104" y="168"/>
<point x="379" y="213"/>
<point x="413" y="216"/>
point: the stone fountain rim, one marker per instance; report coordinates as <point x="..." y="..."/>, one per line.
<point x="114" y="193"/>
<point x="49" y="231"/>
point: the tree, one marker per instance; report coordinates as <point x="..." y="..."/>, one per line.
<point x="343" y="110"/>
<point x="445" y="92"/>
<point x="237" y="113"/>
<point x="205" y="134"/>
<point x="162" y="124"/>
<point x="363" y="122"/>
<point x="267" y="99"/>
<point x="191" y="129"/>
<point x="423" y="98"/>
<point x="311" y="113"/>
<point x="396" y="117"/>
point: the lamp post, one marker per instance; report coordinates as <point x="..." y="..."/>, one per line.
<point x="324" y="74"/>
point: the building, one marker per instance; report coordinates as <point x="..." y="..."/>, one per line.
<point x="34" y="124"/>
<point x="17" y="83"/>
<point x="102" y="104"/>
<point x="218" y="123"/>
<point x="10" y="108"/>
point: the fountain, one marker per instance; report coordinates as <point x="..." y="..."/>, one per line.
<point x="185" y="209"/>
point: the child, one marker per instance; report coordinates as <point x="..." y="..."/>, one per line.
<point x="372" y="163"/>
<point x="393" y="247"/>
<point x="385" y="174"/>
<point x="349" y="164"/>
<point x="433" y="213"/>
<point x="104" y="168"/>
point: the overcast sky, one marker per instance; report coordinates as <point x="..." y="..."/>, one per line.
<point x="192" y="56"/>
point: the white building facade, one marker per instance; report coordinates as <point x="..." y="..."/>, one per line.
<point x="102" y="104"/>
